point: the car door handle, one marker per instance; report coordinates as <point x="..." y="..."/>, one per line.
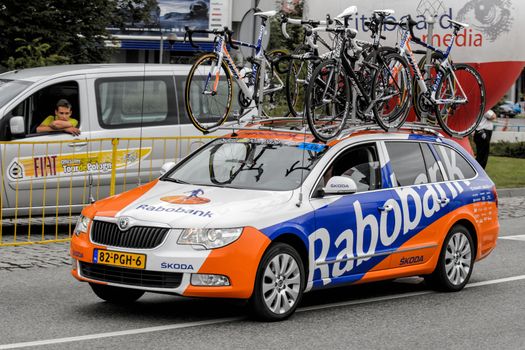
<point x="386" y="208"/>
<point x="78" y="144"/>
<point x="444" y="200"/>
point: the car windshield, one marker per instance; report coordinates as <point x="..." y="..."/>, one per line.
<point x="258" y="164"/>
<point x="10" y="88"/>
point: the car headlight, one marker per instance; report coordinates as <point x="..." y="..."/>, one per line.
<point x="82" y="225"/>
<point x="209" y="238"/>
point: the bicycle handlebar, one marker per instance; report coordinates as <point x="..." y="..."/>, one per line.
<point x="227" y="33"/>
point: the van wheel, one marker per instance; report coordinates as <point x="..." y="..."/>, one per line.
<point x="456" y="261"/>
<point x="116" y="295"/>
<point x="279" y="283"/>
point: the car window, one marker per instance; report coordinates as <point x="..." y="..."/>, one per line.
<point x="10" y="88"/>
<point x="433" y="169"/>
<point x="406" y="160"/>
<point x="455" y="165"/>
<point x="41" y="104"/>
<point x="361" y="164"/>
<point x="137" y="101"/>
<point x="258" y="164"/>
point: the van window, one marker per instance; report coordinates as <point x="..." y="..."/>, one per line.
<point x="455" y="165"/>
<point x="407" y="163"/>
<point x="42" y="104"/>
<point x="198" y="101"/>
<point x="137" y="101"/>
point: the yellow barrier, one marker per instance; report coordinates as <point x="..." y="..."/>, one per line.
<point x="44" y="185"/>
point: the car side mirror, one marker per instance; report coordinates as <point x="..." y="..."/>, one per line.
<point x="17" y="127"/>
<point x="166" y="167"/>
<point x="340" y="185"/>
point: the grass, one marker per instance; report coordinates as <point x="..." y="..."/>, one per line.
<point x="506" y="172"/>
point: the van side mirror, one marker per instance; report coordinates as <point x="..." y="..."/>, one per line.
<point x="340" y="185"/>
<point x="166" y="167"/>
<point x="17" y="127"/>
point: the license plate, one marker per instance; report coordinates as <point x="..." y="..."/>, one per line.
<point x="109" y="257"/>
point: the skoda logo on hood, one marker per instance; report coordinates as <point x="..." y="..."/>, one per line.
<point x="123" y="224"/>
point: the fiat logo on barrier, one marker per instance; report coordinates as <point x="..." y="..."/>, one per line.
<point x="123" y="223"/>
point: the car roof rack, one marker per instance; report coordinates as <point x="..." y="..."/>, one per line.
<point x="266" y="124"/>
<point x="406" y="126"/>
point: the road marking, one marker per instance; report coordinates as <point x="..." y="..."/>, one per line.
<point x="233" y="319"/>
<point x="514" y="237"/>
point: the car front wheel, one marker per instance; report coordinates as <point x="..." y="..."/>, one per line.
<point x="279" y="283"/>
<point x="456" y="261"/>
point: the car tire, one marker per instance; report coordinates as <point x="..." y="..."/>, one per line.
<point x="456" y="261"/>
<point x="116" y="295"/>
<point x="279" y="284"/>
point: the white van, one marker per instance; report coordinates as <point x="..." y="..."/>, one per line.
<point x="141" y="104"/>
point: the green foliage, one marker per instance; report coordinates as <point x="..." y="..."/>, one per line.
<point x="75" y="30"/>
<point x="33" y="54"/>
<point x="508" y="149"/>
<point x="277" y="40"/>
<point x="506" y="172"/>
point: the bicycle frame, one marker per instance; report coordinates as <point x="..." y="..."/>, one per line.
<point x="406" y="51"/>
<point x="222" y="53"/>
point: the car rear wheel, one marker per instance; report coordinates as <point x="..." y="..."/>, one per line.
<point x="116" y="295"/>
<point x="279" y="283"/>
<point x="456" y="261"/>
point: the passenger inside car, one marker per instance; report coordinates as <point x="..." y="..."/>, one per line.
<point x="361" y="164"/>
<point x="61" y="120"/>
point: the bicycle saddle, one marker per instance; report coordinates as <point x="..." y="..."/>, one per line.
<point x="350" y="11"/>
<point x="459" y="24"/>
<point x="385" y="12"/>
<point x="266" y="14"/>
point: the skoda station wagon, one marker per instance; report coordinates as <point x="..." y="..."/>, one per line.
<point x="267" y="214"/>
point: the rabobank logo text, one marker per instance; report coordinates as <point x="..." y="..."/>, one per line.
<point x="180" y="210"/>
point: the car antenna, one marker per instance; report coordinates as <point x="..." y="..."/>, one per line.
<point x="141" y="124"/>
<point x="298" y="204"/>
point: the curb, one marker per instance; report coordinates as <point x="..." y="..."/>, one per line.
<point x="511" y="192"/>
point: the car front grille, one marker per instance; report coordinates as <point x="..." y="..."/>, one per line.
<point x="132" y="277"/>
<point x="141" y="237"/>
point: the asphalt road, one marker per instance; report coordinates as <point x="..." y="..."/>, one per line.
<point x="48" y="309"/>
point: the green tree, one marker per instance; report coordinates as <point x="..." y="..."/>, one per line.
<point x="74" y="29"/>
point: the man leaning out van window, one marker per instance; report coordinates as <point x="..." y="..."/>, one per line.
<point x="61" y="121"/>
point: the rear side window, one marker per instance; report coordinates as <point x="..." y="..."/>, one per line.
<point x="137" y="101"/>
<point x="406" y="159"/>
<point x="455" y="165"/>
<point x="433" y="169"/>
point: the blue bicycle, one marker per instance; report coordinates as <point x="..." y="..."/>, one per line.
<point x="452" y="93"/>
<point x="209" y="85"/>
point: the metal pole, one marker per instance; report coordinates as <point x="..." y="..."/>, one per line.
<point x="161" y="53"/>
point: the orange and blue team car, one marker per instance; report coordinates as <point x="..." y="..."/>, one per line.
<point x="267" y="215"/>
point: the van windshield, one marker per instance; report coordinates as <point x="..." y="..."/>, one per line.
<point x="257" y="164"/>
<point x="10" y="88"/>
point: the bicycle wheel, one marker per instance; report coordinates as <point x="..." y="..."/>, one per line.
<point x="226" y="161"/>
<point x="423" y="107"/>
<point x="460" y="100"/>
<point x="328" y="100"/>
<point x="391" y="91"/>
<point x="297" y="80"/>
<point x="274" y="102"/>
<point x="208" y="98"/>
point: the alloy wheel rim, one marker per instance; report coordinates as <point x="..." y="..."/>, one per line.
<point x="458" y="258"/>
<point x="281" y="283"/>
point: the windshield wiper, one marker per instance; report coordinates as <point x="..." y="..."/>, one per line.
<point x="174" y="180"/>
